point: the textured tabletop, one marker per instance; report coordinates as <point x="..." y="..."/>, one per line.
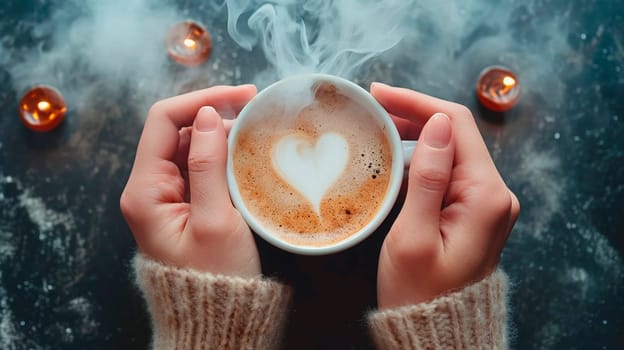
<point x="65" y="248"/>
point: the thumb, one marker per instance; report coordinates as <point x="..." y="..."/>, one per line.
<point x="206" y="167"/>
<point x="430" y="173"/>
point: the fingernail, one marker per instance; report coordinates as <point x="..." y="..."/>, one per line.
<point x="438" y="131"/>
<point x="207" y="119"/>
<point x="246" y="86"/>
<point x="378" y="84"/>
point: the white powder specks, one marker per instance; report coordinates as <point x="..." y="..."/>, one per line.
<point x="83" y="308"/>
<point x="579" y="278"/>
<point x="9" y="337"/>
<point x="7" y="249"/>
<point x="538" y="179"/>
<point x="46" y="219"/>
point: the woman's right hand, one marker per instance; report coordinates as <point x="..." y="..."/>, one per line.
<point x="176" y="201"/>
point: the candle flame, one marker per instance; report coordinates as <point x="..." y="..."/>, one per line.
<point x="498" y="89"/>
<point x="190" y="43"/>
<point x="509" y="81"/>
<point x="43" y="106"/>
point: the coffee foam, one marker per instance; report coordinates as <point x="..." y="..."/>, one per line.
<point x="311" y="166"/>
<point x="349" y="204"/>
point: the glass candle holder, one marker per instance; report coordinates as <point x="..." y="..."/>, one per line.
<point x="498" y="88"/>
<point x="42" y="108"/>
<point x="188" y="43"/>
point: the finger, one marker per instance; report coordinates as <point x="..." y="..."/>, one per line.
<point x="229" y="100"/>
<point x="429" y="175"/>
<point x="409" y="104"/>
<point x="160" y="138"/>
<point x="184" y="142"/>
<point x="227" y="124"/>
<point x="181" y="157"/>
<point x="495" y="241"/>
<point x="407" y="130"/>
<point x="515" y="212"/>
<point x="206" y="167"/>
<point x="418" y="108"/>
<point x="502" y="235"/>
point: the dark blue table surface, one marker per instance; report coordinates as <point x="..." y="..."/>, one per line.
<point x="65" y="249"/>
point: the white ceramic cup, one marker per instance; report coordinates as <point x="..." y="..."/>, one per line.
<point x="401" y="155"/>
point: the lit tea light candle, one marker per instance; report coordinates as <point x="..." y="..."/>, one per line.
<point x="188" y="43"/>
<point x="42" y="108"/>
<point x="498" y="89"/>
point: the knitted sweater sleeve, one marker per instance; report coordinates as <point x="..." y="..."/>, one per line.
<point x="472" y="318"/>
<point x="198" y="310"/>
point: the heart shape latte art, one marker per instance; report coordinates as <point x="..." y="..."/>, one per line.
<point x="310" y="168"/>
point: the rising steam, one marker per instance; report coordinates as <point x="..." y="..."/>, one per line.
<point x="335" y="37"/>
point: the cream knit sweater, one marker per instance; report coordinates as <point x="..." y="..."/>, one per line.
<point x="199" y="310"/>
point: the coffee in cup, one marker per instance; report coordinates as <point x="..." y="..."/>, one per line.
<point x="312" y="166"/>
